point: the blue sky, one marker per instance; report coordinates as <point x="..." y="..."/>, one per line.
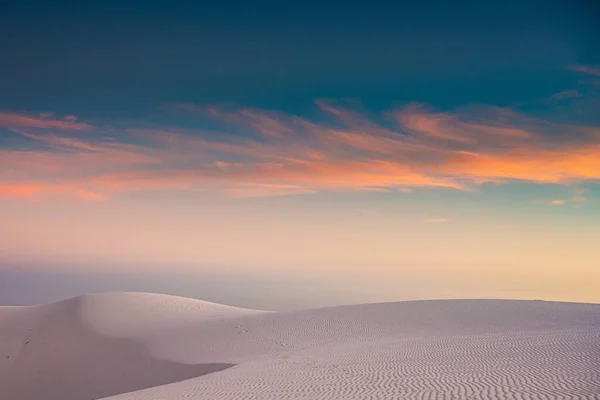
<point x="119" y="60"/>
<point x="452" y="144"/>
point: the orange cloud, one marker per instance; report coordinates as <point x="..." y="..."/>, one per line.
<point x="268" y="125"/>
<point x="87" y="195"/>
<point x="42" y="121"/>
<point x="354" y="174"/>
<point x="294" y="155"/>
<point x="147" y="180"/>
<point x="563" y="165"/>
<point x="265" y="179"/>
<point x="40" y="190"/>
<point x="469" y="131"/>
<point x="436" y="220"/>
<point x="417" y="121"/>
<point x="15" y="164"/>
<point x="249" y="190"/>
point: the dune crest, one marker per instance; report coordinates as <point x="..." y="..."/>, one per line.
<point x="140" y="315"/>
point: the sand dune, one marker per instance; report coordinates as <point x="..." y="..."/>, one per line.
<point x="120" y="343"/>
<point x="53" y="352"/>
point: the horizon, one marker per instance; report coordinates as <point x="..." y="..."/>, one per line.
<point x="301" y="156"/>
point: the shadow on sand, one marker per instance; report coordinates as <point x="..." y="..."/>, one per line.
<point x="60" y="359"/>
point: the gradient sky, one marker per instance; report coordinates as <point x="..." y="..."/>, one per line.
<point x="285" y="155"/>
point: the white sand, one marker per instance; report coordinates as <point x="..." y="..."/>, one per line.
<point x="100" y="345"/>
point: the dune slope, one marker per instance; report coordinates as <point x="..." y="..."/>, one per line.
<point x="479" y="349"/>
<point x="55" y="352"/>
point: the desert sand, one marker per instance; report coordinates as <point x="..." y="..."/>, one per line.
<point x="133" y="346"/>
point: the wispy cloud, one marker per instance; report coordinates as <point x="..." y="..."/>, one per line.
<point x="436" y="220"/>
<point x="577" y="199"/>
<point x="267" y="153"/>
<point x="249" y="190"/>
<point x="38" y="190"/>
<point x="566" y="94"/>
<point x="544" y="165"/>
<point x="42" y="121"/>
<point x="586" y="69"/>
<point x="557" y="202"/>
<point x="579" y="196"/>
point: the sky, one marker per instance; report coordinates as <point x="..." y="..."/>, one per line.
<point x="300" y="154"/>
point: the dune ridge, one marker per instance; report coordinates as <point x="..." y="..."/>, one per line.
<point x="479" y="349"/>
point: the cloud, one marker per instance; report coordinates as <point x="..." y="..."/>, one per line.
<point x="267" y="124"/>
<point x="566" y="94"/>
<point x="42" y="121"/>
<point x="436" y="220"/>
<point x="566" y="164"/>
<point x="468" y="128"/>
<point x="40" y="190"/>
<point x="373" y="189"/>
<point x="87" y="195"/>
<point x="270" y="153"/>
<point x="250" y="190"/>
<point x="576" y="199"/>
<point x="579" y="196"/>
<point x="586" y="69"/>
<point x="557" y="202"/>
<point x="435" y="125"/>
